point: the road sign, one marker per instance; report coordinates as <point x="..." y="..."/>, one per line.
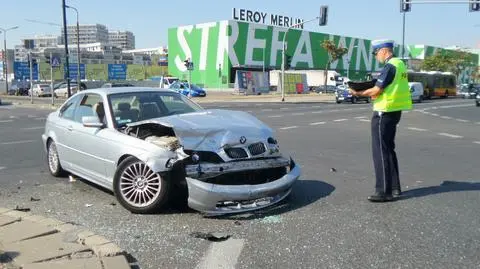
<point x="117" y="72"/>
<point x="55" y="61"/>
<point x="21" y="70"/>
<point x="73" y="71"/>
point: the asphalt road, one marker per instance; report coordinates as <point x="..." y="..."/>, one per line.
<point x="327" y="222"/>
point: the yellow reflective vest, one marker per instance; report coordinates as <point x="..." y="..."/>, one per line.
<point x="396" y="96"/>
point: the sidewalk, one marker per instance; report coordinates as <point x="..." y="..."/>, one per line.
<point x="35" y="242"/>
<point x="212" y="97"/>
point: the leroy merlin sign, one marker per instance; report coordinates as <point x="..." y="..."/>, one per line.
<point x="216" y="47"/>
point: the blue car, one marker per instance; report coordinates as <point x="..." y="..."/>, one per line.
<point x="188" y="89"/>
<point x="342" y="95"/>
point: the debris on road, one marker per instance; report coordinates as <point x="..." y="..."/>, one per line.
<point x="33" y="199"/>
<point x="22" y="209"/>
<point x="88" y="205"/>
<point x="271" y="220"/>
<point x="333" y="170"/>
<point x="71" y="178"/>
<point x="214" y="237"/>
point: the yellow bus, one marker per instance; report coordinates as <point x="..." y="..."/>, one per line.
<point x="435" y="83"/>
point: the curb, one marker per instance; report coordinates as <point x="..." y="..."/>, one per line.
<point x="30" y="241"/>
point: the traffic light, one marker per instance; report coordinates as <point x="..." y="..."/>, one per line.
<point x="474" y="5"/>
<point x="288" y="61"/>
<point x="405" y="5"/>
<point x="322" y="20"/>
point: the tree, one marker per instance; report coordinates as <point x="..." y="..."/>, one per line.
<point x="448" y="61"/>
<point x="334" y="53"/>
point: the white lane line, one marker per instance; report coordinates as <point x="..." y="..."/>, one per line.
<point x="222" y="255"/>
<point x="476" y="142"/>
<point x="406" y="112"/>
<point x="298" y="114"/>
<point x="31" y="116"/>
<point x="2" y="167"/>
<point x="284" y="108"/>
<point x="5" y="121"/>
<point x="316" y="106"/>
<point x="13" y="117"/>
<point x="450" y="135"/>
<point x="259" y="104"/>
<point x="275" y="116"/>
<point x="364" y="120"/>
<point x="462" y="120"/>
<point x="17" y="142"/>
<point x="317" y="123"/>
<point x="339" y="120"/>
<point x="40" y="118"/>
<point x="317" y="112"/>
<point x="249" y="111"/>
<point x="34" y="128"/>
<point x="446" y="117"/>
<point x="267" y="109"/>
<point x="361" y="117"/>
<point x="435" y="114"/>
<point x="478" y="122"/>
<point x="417" y="129"/>
<point x="289" y="127"/>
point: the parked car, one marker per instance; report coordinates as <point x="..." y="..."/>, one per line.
<point x="328" y="89"/>
<point x="116" y="85"/>
<point x="147" y="145"/>
<point x="41" y="90"/>
<point x="416" y="91"/>
<point x="343" y="95"/>
<point x="60" y="89"/>
<point x="188" y="89"/>
<point x="477" y="99"/>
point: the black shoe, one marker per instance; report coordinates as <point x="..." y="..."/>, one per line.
<point x="396" y="193"/>
<point x="380" y="197"/>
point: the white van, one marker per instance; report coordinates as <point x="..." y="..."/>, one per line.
<point x="416" y="89"/>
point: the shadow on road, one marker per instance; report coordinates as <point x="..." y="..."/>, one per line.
<point x="304" y="193"/>
<point x="446" y="186"/>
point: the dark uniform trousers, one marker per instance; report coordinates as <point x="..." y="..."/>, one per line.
<point x="384" y="128"/>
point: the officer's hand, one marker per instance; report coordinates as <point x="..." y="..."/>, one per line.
<point x="352" y="92"/>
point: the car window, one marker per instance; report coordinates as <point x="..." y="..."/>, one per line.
<point x="86" y="106"/>
<point x="68" y="109"/>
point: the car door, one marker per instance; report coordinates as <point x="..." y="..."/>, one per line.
<point x="91" y="144"/>
<point x="62" y="128"/>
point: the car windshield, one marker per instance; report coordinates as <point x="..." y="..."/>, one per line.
<point x="131" y="107"/>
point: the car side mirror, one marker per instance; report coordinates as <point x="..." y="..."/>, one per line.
<point x="92" y="121"/>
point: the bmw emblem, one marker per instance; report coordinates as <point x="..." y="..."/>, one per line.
<point x="243" y="139"/>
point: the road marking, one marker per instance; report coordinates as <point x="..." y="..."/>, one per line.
<point x="289" y="127"/>
<point x="13" y="117"/>
<point x="476" y="142"/>
<point x="406" y="112"/>
<point x="462" y="120"/>
<point x="450" y="135"/>
<point x="317" y="123"/>
<point x="275" y="116"/>
<point x="298" y="114"/>
<point x="284" y="108"/>
<point x="417" y="129"/>
<point x="249" y="111"/>
<point x="478" y="122"/>
<point x="31" y="116"/>
<point x="361" y="117"/>
<point x="40" y="118"/>
<point x="339" y="120"/>
<point x="259" y="104"/>
<point x="17" y="142"/>
<point x="446" y="117"/>
<point x="34" y="128"/>
<point x="2" y="167"/>
<point x="267" y="109"/>
<point x="434" y="114"/>
<point x="316" y="106"/>
<point x="222" y="254"/>
<point x="364" y="120"/>
<point x="5" y="121"/>
<point x="317" y="112"/>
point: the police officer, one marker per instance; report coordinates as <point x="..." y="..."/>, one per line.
<point x="390" y="95"/>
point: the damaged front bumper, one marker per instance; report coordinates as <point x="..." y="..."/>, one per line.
<point x="216" y="199"/>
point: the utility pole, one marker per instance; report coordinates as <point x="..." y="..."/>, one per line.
<point x="78" y="48"/>
<point x="30" y="61"/>
<point x="51" y="79"/>
<point x="66" y="47"/>
<point x="5" y="58"/>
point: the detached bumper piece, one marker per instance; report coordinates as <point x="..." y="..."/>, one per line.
<point x="229" y="196"/>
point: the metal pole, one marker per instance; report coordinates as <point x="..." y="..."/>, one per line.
<point x="5" y="64"/>
<point x="66" y="47"/>
<point x="51" y="79"/>
<point x="31" y="75"/>
<point x="403" y="36"/>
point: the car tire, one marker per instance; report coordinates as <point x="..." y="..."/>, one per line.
<point x="337" y="101"/>
<point x="420" y="99"/>
<point x="354" y="100"/>
<point x="53" y="160"/>
<point x="368" y="100"/>
<point x="138" y="188"/>
<point x="478" y="103"/>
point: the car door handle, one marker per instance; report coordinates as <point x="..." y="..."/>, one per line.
<point x="70" y="128"/>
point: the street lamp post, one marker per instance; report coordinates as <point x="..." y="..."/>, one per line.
<point x="78" y="47"/>
<point x="5" y="64"/>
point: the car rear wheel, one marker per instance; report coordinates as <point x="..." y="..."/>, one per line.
<point x="54" y="160"/>
<point x="478" y="103"/>
<point x="354" y="100"/>
<point x="138" y="188"/>
<point x="420" y="99"/>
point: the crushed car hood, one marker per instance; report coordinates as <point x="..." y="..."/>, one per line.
<point x="210" y="130"/>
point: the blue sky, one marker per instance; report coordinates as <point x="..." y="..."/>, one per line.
<point x="149" y="20"/>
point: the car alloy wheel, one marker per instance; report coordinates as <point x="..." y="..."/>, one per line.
<point x="138" y="188"/>
<point x="54" y="160"/>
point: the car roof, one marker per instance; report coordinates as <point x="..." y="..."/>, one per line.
<point x="108" y="91"/>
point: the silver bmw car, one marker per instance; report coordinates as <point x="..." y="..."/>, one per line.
<point x="148" y="145"/>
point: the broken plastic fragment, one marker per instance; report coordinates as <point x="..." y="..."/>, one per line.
<point x="214" y="237"/>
